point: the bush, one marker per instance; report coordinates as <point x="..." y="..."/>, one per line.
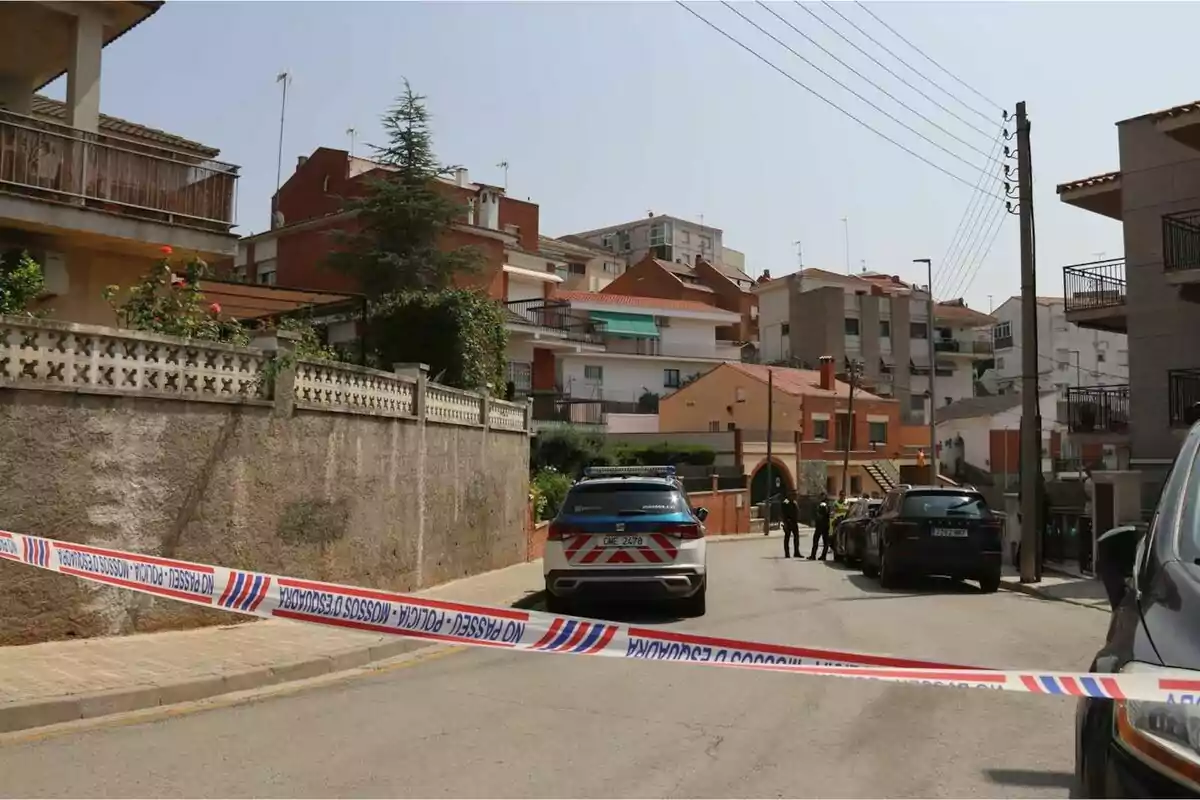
<point x="696" y="455"/>
<point x="567" y="450"/>
<point x="21" y="281"/>
<point x="460" y="334"/>
<point x="550" y="489"/>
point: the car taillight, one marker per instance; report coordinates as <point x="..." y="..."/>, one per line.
<point x="559" y="531"/>
<point x="683" y="530"/>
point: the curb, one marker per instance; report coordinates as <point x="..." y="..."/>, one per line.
<point x="21" y="716"/>
<point x="1012" y="585"/>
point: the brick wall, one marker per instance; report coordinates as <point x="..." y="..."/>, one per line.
<point x="724" y="515"/>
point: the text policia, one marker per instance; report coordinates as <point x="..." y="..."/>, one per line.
<point x="319" y="603"/>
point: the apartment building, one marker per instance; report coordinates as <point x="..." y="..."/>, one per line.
<point x="1152" y="295"/>
<point x="1069" y="355"/>
<point x="589" y="267"/>
<point x="811" y="421"/>
<point x="93" y="197"/>
<point x="671" y="239"/>
<point x="881" y="322"/>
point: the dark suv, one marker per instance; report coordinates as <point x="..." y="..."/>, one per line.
<point x="1137" y="749"/>
<point x="931" y="530"/>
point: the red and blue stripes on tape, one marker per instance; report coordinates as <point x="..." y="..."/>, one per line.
<point x="317" y="602"/>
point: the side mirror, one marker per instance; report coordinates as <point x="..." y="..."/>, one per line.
<point x="1116" y="554"/>
<point x="701" y="514"/>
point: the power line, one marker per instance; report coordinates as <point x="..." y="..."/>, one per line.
<point x="970" y="244"/>
<point x="890" y="52"/>
<point x="924" y="55"/>
<point x="824" y="99"/>
<point x="873" y="83"/>
<point x="971" y="272"/>
<point x="886" y="68"/>
<point x="944" y="264"/>
<point x="887" y="114"/>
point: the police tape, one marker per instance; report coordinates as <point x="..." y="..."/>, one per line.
<point x="278" y="597"/>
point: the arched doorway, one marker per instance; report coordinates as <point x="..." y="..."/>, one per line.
<point x="780" y="477"/>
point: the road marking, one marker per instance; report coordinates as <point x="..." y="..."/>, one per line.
<point x="230" y="700"/>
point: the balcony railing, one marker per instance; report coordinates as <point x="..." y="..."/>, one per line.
<point x="967" y="347"/>
<point x="56" y="162"/>
<point x="1098" y="409"/>
<point x="557" y="316"/>
<point x="1181" y="241"/>
<point x="1183" y="392"/>
<point x="564" y="409"/>
<point x="520" y="375"/>
<point x="1098" y="284"/>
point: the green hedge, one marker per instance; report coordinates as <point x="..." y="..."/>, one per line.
<point x="570" y="451"/>
<point x="460" y="334"/>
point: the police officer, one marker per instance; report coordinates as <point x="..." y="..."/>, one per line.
<point x="821" y="528"/>
<point x="791" y="525"/>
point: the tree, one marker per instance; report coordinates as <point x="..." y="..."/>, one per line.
<point x="21" y="281"/>
<point x="404" y="212"/>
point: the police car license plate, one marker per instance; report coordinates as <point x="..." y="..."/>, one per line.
<point x="623" y="540"/>
<point x="955" y="533"/>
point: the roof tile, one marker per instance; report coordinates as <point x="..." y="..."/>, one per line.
<point x="634" y="301"/>
<point x="55" y="110"/>
<point x="798" y="382"/>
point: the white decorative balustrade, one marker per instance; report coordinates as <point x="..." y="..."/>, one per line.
<point x="63" y="356"/>
<point x="325" y="386"/>
<point x="454" y="406"/>
<point x="506" y="416"/>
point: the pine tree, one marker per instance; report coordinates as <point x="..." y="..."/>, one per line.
<point x="404" y="212"/>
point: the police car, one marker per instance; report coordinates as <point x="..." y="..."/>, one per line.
<point x="622" y="531"/>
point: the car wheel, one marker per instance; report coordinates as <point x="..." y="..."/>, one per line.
<point x="990" y="583"/>
<point x="695" y="606"/>
<point x="887" y="573"/>
<point x="869" y="569"/>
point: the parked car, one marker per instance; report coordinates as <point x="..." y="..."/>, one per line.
<point x="1137" y="749"/>
<point x="850" y="538"/>
<point x="625" y="529"/>
<point x="934" y="530"/>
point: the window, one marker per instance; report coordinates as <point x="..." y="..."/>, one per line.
<point x="916" y="402"/>
<point x="714" y="426"/>
<point x="785" y="328"/>
<point x="945" y="504"/>
<point x="612" y="268"/>
<point x="577" y="268"/>
<point x="1002" y="330"/>
<point x="820" y="430"/>
<point x="623" y="242"/>
<point x="918" y="330"/>
<point x="687" y="237"/>
<point x="885" y="328"/>
<point x="265" y="271"/>
<point x="1099" y="357"/>
<point x="671" y="378"/>
<point x="606" y="241"/>
<point x="877" y="432"/>
<point x="851" y="326"/>
<point x="593" y="373"/>
<point x="657" y="236"/>
<point x="608" y="499"/>
<point x="855" y="484"/>
<point x="732" y="426"/>
<point x="705" y="244"/>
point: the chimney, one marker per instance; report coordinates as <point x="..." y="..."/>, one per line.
<point x="461" y="177"/>
<point x="827" y="379"/>
<point x="300" y="161"/>
<point x="699" y="258"/>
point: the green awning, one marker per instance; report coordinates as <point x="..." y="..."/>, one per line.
<point x="640" y="325"/>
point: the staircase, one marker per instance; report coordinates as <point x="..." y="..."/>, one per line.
<point x="884" y="473"/>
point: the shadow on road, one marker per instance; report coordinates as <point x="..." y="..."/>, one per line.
<point x="1031" y="778"/>
<point x="913" y="586"/>
<point x="648" y="613"/>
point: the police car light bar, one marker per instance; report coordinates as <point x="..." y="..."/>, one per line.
<point x="616" y="472"/>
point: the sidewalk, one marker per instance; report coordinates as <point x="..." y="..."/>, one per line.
<point x="1079" y="590"/>
<point x="45" y="684"/>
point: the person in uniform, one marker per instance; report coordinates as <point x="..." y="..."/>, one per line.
<point x="791" y="525"/>
<point x="821" y="528"/>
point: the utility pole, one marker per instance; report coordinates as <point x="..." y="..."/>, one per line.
<point x="770" y="436"/>
<point x="1031" y="421"/>
<point x="852" y="378"/>
<point x="504" y="166"/>
<point x="353" y="134"/>
<point x="933" y="453"/>
<point x="846" y="230"/>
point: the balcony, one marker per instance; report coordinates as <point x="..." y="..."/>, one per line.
<point x="1181" y="251"/>
<point x="46" y="161"/>
<point x="1100" y="194"/>
<point x="1098" y="411"/>
<point x="554" y="319"/>
<point x="975" y="348"/>
<point x="555" y="408"/>
<point x="1183" y="396"/>
<point x="1094" y="295"/>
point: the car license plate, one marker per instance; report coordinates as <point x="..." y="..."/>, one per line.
<point x="955" y="533"/>
<point x="623" y="540"/>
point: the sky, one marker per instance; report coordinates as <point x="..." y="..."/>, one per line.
<point x="607" y="111"/>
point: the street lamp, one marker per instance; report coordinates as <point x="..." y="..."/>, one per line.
<point x="932" y="371"/>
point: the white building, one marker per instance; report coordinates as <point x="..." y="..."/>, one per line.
<point x="1068" y="355"/>
<point x="985" y="432"/>
<point x="880" y="322"/>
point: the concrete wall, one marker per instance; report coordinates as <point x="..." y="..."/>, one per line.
<point x="362" y="497"/>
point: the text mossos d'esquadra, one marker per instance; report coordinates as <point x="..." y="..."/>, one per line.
<point x="102" y="566"/>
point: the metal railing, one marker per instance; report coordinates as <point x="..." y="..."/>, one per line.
<point x="1181" y="241"/>
<point x="947" y="346"/>
<point x="1097" y="284"/>
<point x="562" y="408"/>
<point x="57" y="162"/>
<point x="520" y="375"/>
<point x="557" y="315"/>
<point x="1183" y="393"/>
<point x="1098" y="409"/>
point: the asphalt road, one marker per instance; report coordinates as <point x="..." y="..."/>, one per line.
<point x="489" y="724"/>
